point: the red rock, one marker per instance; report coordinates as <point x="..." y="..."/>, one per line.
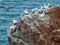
<point x="40" y="32"/>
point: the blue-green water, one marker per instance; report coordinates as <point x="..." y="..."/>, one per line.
<point x="14" y="13"/>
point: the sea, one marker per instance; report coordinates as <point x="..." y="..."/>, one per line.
<point x="19" y="6"/>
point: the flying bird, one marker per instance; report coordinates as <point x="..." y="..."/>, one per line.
<point x="7" y="8"/>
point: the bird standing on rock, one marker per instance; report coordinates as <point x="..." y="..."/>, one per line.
<point x="25" y="11"/>
<point x="47" y="6"/>
<point x="14" y="22"/>
<point x="58" y="5"/>
<point x="13" y="25"/>
<point x="33" y="9"/>
<point x="41" y="9"/>
<point x="36" y="8"/>
<point x="42" y="15"/>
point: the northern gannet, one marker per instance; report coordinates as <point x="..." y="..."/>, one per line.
<point x="33" y="9"/>
<point x="47" y="6"/>
<point x="42" y="15"/>
<point x="41" y="9"/>
<point x="36" y="8"/>
<point x="12" y="27"/>
<point x="14" y="21"/>
<point x="7" y="8"/>
<point x="25" y="11"/>
<point x="57" y="4"/>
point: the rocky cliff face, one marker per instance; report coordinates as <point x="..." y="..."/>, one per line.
<point x="39" y="27"/>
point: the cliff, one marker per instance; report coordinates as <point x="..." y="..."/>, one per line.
<point x="37" y="28"/>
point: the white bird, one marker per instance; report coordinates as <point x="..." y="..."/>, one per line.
<point x="36" y="8"/>
<point x="57" y="4"/>
<point x="42" y="15"/>
<point x="7" y="8"/>
<point x="33" y="9"/>
<point x="12" y="27"/>
<point x="14" y="21"/>
<point x="41" y="9"/>
<point x="25" y="11"/>
<point x="47" y="6"/>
